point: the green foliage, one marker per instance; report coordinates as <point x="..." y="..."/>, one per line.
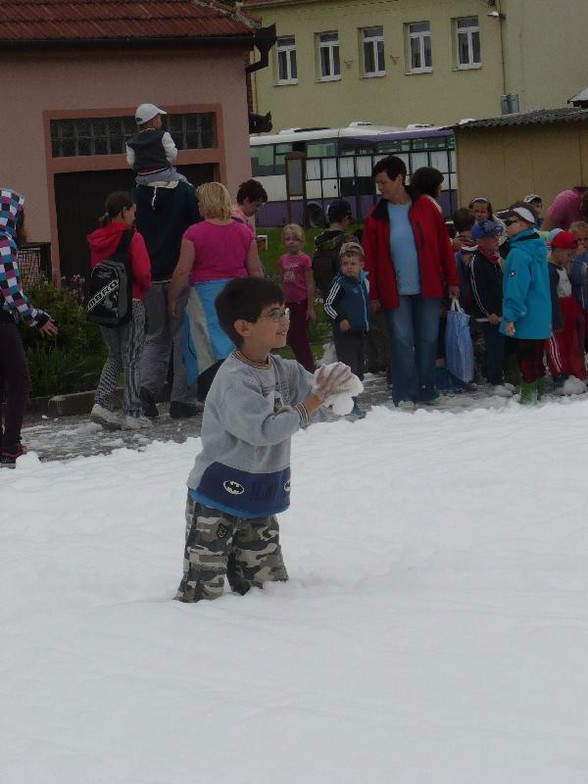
<point x="71" y="361"/>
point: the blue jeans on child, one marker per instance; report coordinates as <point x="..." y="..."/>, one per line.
<point x="493" y="365"/>
<point x="413" y="328"/>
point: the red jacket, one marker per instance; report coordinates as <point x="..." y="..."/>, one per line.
<point x="105" y="241"/>
<point x="435" y="254"/>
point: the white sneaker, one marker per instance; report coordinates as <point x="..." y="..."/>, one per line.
<point x="136" y="423"/>
<point x="406" y="405"/>
<point x="102" y="416"/>
<point x="573" y="386"/>
<point x="501" y="390"/>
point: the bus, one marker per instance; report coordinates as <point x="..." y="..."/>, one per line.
<point x="338" y="163"/>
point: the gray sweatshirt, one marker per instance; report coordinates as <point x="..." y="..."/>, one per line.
<point x="250" y="415"/>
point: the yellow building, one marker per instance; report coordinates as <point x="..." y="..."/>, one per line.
<point x="396" y="62"/>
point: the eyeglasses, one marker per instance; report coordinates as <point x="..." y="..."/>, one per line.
<point x="510" y="221"/>
<point x="277" y="314"/>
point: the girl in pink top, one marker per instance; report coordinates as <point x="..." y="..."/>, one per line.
<point x="298" y="283"/>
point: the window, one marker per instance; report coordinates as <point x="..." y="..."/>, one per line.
<point x="286" y="60"/>
<point x="373" y="51"/>
<point x="328" y="54"/>
<point x="468" y="42"/>
<point x="420" y="59"/>
<point x="107" y="135"/>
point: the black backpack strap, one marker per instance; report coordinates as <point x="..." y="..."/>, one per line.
<point x="125" y="241"/>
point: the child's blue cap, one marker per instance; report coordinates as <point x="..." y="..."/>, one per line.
<point x="486" y="228"/>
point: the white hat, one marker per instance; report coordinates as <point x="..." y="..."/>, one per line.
<point x="146" y="112"/>
<point x="530" y="197"/>
<point x="524" y="213"/>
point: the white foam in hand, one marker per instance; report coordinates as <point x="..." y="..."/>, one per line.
<point x="341" y="403"/>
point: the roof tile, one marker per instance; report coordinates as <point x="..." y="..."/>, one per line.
<point x="90" y="20"/>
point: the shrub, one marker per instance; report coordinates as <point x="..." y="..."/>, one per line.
<point x="72" y="361"/>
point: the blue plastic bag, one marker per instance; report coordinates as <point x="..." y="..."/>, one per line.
<point x="459" y="349"/>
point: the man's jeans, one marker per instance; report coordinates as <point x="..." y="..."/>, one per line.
<point x="413" y="329"/>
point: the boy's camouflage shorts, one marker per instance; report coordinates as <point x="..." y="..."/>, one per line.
<point x="247" y="551"/>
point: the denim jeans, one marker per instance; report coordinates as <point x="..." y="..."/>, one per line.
<point x="413" y="329"/>
<point x="493" y="366"/>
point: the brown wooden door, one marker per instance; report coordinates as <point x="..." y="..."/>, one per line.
<point x="79" y="200"/>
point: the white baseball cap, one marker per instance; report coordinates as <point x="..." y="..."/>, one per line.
<point x="146" y="112"/>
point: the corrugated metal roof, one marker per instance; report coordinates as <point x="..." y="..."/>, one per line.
<point x="95" y="20"/>
<point x="580" y="98"/>
<point x="539" y="117"/>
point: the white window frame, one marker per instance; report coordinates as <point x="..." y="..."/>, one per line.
<point x="286" y="57"/>
<point x="470" y="33"/>
<point x="416" y="39"/>
<point x="372" y="46"/>
<point x="328" y="44"/>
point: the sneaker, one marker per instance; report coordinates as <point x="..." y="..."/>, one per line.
<point x="148" y="401"/>
<point x="356" y="413"/>
<point x="102" y="416"/>
<point x="501" y="390"/>
<point x="558" y="385"/>
<point x="573" y="386"/>
<point x="406" y="405"/>
<point x="181" y="410"/>
<point x="135" y="422"/>
<point x="9" y="456"/>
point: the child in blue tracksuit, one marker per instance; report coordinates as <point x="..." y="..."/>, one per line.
<point x="348" y="308"/>
<point x="526" y="311"/>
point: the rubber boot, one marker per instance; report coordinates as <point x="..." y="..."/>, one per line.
<point x="528" y="394"/>
<point x="540" y="387"/>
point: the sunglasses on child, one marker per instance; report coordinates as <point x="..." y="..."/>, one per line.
<point x="278" y="314"/>
<point x="510" y="221"/>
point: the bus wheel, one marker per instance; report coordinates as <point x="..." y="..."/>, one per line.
<point x="314" y="217"/>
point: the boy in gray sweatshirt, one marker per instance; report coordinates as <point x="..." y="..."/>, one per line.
<point x="241" y="478"/>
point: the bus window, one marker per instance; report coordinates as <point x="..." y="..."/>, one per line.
<point x="346" y="168"/>
<point x="363" y="166"/>
<point x="322" y="148"/>
<point x="418" y="160"/>
<point x="393" y="146"/>
<point x="329" y="168"/>
<point x="313" y="169"/>
<point x="262" y="160"/>
<point x="440" y="160"/>
<point x="281" y="151"/>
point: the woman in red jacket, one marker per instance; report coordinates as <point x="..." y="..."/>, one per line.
<point x="124" y="343"/>
<point x="410" y="261"/>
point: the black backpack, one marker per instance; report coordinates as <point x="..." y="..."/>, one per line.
<point x="110" y="300"/>
<point x="325" y="261"/>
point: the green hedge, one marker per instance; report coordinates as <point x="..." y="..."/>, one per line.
<point x="71" y="361"/>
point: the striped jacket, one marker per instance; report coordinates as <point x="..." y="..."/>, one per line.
<point x="13" y="300"/>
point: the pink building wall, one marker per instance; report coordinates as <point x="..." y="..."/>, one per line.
<point x="47" y="86"/>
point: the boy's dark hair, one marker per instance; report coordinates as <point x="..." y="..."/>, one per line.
<point x="245" y="298"/>
<point x="427" y="180"/>
<point x="463" y="219"/>
<point x="392" y="165"/>
<point x="338" y="210"/>
<point x="252" y="190"/>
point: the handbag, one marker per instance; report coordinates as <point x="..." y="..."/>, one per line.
<point x="459" y="349"/>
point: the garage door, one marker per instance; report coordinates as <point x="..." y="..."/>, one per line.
<point x="80" y="197"/>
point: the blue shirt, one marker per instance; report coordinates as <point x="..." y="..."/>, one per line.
<point x="403" y="249"/>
